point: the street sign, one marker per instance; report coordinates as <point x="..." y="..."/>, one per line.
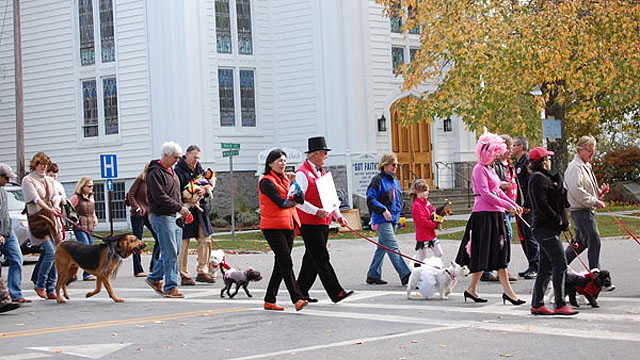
<point x="108" y="166"/>
<point x="230" y="146"/>
<point x="552" y="129"/>
<point x="227" y="153"/>
<point x="109" y="184"/>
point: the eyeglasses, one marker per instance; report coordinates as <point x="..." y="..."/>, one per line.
<point x="89" y="185"/>
<point x="588" y="151"/>
<point x="175" y="157"/>
<point x="394" y="165"/>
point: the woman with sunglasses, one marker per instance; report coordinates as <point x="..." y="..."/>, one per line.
<point x="485" y="245"/>
<point x="82" y="200"/>
<point x="384" y="199"/>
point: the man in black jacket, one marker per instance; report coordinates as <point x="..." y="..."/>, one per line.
<point x="187" y="169"/>
<point x="163" y="195"/>
<point x="529" y="244"/>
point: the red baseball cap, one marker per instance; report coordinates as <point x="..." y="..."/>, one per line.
<point x="538" y="153"/>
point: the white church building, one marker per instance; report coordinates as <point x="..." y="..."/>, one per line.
<point x="123" y="76"/>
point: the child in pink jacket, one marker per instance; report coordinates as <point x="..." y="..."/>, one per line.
<point x="422" y="212"/>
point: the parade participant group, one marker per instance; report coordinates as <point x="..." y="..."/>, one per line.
<point x="290" y="203"/>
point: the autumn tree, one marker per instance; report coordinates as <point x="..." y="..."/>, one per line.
<point x="487" y="57"/>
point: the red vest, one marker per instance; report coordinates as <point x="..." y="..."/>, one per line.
<point x="272" y="216"/>
<point x="312" y="195"/>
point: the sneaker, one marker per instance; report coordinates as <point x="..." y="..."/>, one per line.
<point x="488" y="277"/>
<point x="22" y="301"/>
<point x="310" y="299"/>
<point x="173" y="293"/>
<point x="89" y="278"/>
<point x="522" y="273"/>
<point x="155" y="285"/>
<point x="565" y="310"/>
<point x="343" y="295"/>
<point x="530" y="275"/>
<point x="376" y="281"/>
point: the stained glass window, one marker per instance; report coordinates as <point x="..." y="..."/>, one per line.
<point x="245" y="45"/>
<point x="397" y="58"/>
<point x="90" y="108"/>
<point x="396" y="19"/>
<point x="85" y="15"/>
<point x="107" y="43"/>
<point x="110" y="102"/>
<point x="117" y="201"/>
<point x="248" y="97"/>
<point x="225" y="90"/>
<point x="223" y="27"/>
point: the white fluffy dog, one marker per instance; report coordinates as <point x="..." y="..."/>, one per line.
<point x="433" y="277"/>
<point x="217" y="260"/>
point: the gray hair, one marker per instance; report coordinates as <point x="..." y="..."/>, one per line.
<point x="522" y="141"/>
<point x="169" y="148"/>
<point x="585" y="141"/>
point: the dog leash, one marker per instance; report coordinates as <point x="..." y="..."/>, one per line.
<point x="624" y="227"/>
<point x="386" y="248"/>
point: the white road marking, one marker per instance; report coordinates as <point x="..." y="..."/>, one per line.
<point x="341" y="343"/>
<point x="91" y="351"/>
<point x="25" y="356"/>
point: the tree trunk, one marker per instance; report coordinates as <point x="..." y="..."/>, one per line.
<point x="559" y="146"/>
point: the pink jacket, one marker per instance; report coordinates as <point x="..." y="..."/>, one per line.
<point x="486" y="188"/>
<point x="421" y="210"/>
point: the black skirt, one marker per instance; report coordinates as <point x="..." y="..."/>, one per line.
<point x="490" y="248"/>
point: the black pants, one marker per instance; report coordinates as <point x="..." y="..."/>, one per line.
<point x="553" y="264"/>
<point x="281" y="243"/>
<point x="530" y="245"/>
<point x="315" y="261"/>
<point x="137" y="226"/>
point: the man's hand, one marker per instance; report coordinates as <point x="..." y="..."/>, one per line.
<point x="140" y="211"/>
<point x="504" y="185"/>
<point x="600" y="204"/>
<point x="184" y="212"/>
<point x="201" y="191"/>
<point x="55" y="211"/>
<point x="322" y="214"/>
<point x="387" y="215"/>
<point x="1" y="239"/>
<point x="604" y="189"/>
<point x="343" y="221"/>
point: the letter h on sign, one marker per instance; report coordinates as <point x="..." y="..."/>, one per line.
<point x="108" y="166"/>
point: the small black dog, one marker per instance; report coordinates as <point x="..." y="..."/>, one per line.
<point x="588" y="285"/>
<point x="240" y="278"/>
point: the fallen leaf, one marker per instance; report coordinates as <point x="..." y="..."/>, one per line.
<point x="359" y="342"/>
<point x="59" y="351"/>
<point x="114" y="334"/>
<point x="443" y="346"/>
<point x="20" y="324"/>
<point x="328" y="331"/>
<point x="528" y="327"/>
<point x="139" y="349"/>
<point x="31" y="312"/>
<point x="414" y="341"/>
<point x="500" y="317"/>
<point x="139" y="326"/>
<point x="506" y="355"/>
<point x="157" y="322"/>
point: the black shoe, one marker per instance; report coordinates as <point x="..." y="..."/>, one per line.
<point x="371" y="280"/>
<point x="488" y="277"/>
<point x="73" y="278"/>
<point x="474" y="298"/>
<point x="522" y="273"/>
<point x="530" y="275"/>
<point x="310" y="299"/>
<point x="343" y="295"/>
<point x="506" y="298"/>
<point x="405" y="280"/>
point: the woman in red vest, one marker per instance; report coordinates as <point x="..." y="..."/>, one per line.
<point x="278" y="222"/>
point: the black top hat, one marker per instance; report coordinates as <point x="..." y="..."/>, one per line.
<point x="317" y="143"/>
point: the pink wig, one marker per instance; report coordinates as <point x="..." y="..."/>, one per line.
<point x="489" y="146"/>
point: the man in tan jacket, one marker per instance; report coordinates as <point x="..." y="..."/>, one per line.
<point x="584" y="195"/>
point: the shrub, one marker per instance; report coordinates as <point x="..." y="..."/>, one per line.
<point x="248" y="218"/>
<point x="220" y="223"/>
<point x="618" y="165"/>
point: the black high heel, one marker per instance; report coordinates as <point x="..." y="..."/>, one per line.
<point x="474" y="298"/>
<point x="506" y="298"/>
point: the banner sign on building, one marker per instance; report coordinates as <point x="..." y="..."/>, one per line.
<point x="365" y="167"/>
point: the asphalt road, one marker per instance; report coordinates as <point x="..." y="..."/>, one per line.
<point x="378" y="322"/>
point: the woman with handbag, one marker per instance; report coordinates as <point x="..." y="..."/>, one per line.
<point x="82" y="201"/>
<point x="41" y="204"/>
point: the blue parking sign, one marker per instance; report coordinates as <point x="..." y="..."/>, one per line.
<point x="108" y="166"/>
<point x="109" y="184"/>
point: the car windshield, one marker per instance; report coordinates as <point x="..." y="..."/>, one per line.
<point x="15" y="199"/>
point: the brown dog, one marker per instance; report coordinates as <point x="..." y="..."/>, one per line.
<point x="101" y="260"/>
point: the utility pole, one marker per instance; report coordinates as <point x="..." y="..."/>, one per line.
<point x="17" y="57"/>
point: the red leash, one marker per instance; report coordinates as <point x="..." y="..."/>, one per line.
<point x="573" y="244"/>
<point x="384" y="247"/>
<point x="624" y="227"/>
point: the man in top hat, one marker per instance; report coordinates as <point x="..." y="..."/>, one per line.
<point x="315" y="225"/>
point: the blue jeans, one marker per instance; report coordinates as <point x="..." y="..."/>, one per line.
<point x="11" y="249"/>
<point x="47" y="275"/>
<point x="137" y="226"/>
<point x="168" y="236"/>
<point x="387" y="237"/>
<point x="84" y="238"/>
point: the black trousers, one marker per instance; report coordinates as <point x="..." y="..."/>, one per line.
<point x="281" y="243"/>
<point x="530" y="245"/>
<point x="315" y="261"/>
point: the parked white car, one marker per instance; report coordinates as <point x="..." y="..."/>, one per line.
<point x="19" y="221"/>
